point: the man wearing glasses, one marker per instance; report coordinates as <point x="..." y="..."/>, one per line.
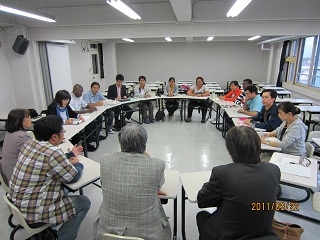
<point x="36" y="184"/>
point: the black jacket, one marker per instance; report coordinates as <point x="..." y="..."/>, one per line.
<point x="113" y="93"/>
<point x="239" y="190"/>
<point x="273" y="119"/>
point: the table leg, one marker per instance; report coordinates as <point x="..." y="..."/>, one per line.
<point x="175" y="215"/>
<point x="296" y="200"/>
<point x="85" y="147"/>
<point x="183" y="213"/>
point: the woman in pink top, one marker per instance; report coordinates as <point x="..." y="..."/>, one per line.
<point x="234" y="93"/>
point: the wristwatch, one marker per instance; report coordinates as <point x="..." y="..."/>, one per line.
<point x="268" y="142"/>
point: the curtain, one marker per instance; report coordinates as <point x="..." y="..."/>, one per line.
<point x="282" y="62"/>
<point x="45" y="72"/>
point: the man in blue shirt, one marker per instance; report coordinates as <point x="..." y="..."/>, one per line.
<point x="253" y="102"/>
<point x="95" y="98"/>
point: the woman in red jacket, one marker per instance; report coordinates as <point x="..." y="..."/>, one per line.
<point x="234" y="93"/>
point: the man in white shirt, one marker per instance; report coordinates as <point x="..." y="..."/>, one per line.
<point x="78" y="105"/>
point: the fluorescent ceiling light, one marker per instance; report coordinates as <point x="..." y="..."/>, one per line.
<point x="254" y="38"/>
<point x="210" y="38"/>
<point x="168" y="39"/>
<point x="38" y="16"/>
<point x="122" y="7"/>
<point x="127" y="39"/>
<point x="237" y="7"/>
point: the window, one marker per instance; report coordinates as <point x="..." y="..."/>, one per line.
<point x="303" y="62"/>
<point x="95" y="66"/>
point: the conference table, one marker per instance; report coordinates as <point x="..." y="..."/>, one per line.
<point x="295" y="101"/>
<point x="90" y="173"/>
<point x="316" y="141"/>
<point x="295" y="175"/>
<point x="191" y="185"/>
<point x="310" y="110"/>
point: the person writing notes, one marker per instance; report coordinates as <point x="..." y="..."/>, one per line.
<point x="60" y="107"/>
<point x="268" y="117"/>
<point x="198" y="90"/>
<point x="291" y="133"/>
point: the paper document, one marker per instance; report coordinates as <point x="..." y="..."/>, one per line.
<point x="295" y="169"/>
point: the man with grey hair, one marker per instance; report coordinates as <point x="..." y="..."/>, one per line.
<point x="131" y="182"/>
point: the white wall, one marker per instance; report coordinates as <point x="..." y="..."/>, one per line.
<point x="7" y="92"/>
<point x="215" y="61"/>
<point x="80" y="63"/>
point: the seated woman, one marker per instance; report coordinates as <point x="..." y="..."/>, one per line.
<point x="142" y="91"/>
<point x="130" y="182"/>
<point x="234" y="92"/>
<point x="171" y="90"/>
<point x="60" y="106"/>
<point x="17" y="123"/>
<point x="291" y="133"/>
<point x="237" y="190"/>
<point x="198" y="90"/>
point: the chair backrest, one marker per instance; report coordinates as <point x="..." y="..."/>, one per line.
<point x="3" y="182"/>
<point x="20" y="219"/>
<point x="109" y="236"/>
<point x="313" y="134"/>
<point x="309" y="149"/>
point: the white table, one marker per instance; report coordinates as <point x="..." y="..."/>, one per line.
<point x="90" y="173"/>
<point x="305" y="183"/>
<point x="191" y="185"/>
<point x="170" y="187"/>
<point x="295" y="101"/>
<point x="316" y="141"/>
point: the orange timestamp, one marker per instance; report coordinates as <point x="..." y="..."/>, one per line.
<point x="278" y="206"/>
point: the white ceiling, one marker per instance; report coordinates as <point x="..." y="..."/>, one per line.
<point x="190" y="19"/>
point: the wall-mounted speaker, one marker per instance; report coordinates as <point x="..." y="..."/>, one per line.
<point x="21" y="44"/>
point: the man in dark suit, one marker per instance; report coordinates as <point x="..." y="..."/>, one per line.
<point x="244" y="192"/>
<point x="118" y="91"/>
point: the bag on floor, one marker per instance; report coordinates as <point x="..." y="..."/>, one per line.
<point x="160" y="115"/>
<point x="287" y="231"/>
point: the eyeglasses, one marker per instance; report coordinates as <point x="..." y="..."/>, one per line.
<point x="63" y="131"/>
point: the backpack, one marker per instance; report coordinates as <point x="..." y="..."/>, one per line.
<point x="159" y="115"/>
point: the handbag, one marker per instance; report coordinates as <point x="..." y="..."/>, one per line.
<point x="287" y="231"/>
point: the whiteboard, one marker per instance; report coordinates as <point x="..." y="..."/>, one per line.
<point x="59" y="65"/>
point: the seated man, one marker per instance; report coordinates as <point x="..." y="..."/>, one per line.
<point x="130" y="182"/>
<point x="95" y="98"/>
<point x="235" y="188"/>
<point x="268" y="117"/>
<point x="253" y="102"/>
<point x="36" y="184"/>
<point x="118" y="91"/>
<point x="79" y="106"/>
<point x="143" y="91"/>
<point x="245" y="83"/>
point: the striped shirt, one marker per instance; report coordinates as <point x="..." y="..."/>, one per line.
<point x="36" y="183"/>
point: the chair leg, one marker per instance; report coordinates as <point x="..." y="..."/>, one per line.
<point x="10" y="221"/>
<point x="14" y="231"/>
